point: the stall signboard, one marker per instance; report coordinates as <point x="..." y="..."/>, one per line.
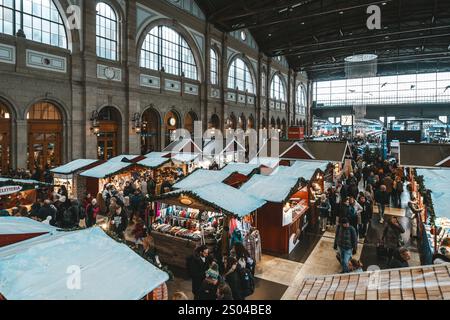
<point x="6" y="190"/>
<point x="296" y="133"/>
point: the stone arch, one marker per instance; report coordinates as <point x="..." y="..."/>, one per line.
<point x="175" y="25"/>
<point x="188" y="122"/>
<point x="151" y="130"/>
<point x="214" y="122"/>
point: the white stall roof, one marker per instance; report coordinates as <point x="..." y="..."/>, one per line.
<point x="185" y="157"/>
<point x="106" y="169"/>
<point x="302" y="169"/>
<point x="265" y="161"/>
<point x="274" y="188"/>
<point x="156" y="154"/>
<point x="73" y="166"/>
<point x="437" y="180"/>
<point x="22" y="181"/>
<point x="200" y="178"/>
<point x="122" y="157"/>
<point x="242" y="168"/>
<point x="153" y="162"/>
<point x="229" y="199"/>
<point x="20" y="225"/>
<point x="39" y="269"/>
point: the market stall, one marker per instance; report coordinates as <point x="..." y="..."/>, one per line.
<point x="222" y="152"/>
<point x="436" y="217"/>
<point x="114" y="172"/>
<point x="186" y="218"/>
<point x="108" y="270"/>
<point x="292" y="194"/>
<point x="20" y="192"/>
<point x="68" y="175"/>
<point x="17" y="229"/>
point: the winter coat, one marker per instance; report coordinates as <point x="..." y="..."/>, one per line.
<point x="346" y="238"/>
<point x="324" y="208"/>
<point x="381" y="197"/>
<point x="234" y="281"/>
<point x="392" y="235"/>
<point x="197" y="269"/>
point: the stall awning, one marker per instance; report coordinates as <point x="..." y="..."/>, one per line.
<point x="301" y="169"/>
<point x="21" y="225"/>
<point x="273" y="188"/>
<point x="220" y="197"/>
<point x="153" y="162"/>
<point x="38" y="269"/>
<point x="417" y="283"/>
<point x="125" y="157"/>
<point x="242" y="168"/>
<point x="106" y="169"/>
<point x="422" y="155"/>
<point x="200" y="178"/>
<point x="73" y="166"/>
<point x="437" y="180"/>
<point x="10" y="186"/>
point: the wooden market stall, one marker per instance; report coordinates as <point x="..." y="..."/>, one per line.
<point x="187" y="218"/>
<point x="21" y="192"/>
<point x="68" y="175"/>
<point x="110" y="270"/>
<point x="291" y="194"/>
<point x="17" y="229"/>
<point x="424" y="155"/>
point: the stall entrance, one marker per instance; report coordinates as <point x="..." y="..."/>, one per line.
<point x="108" y="138"/>
<point x="172" y="123"/>
<point x="45" y="129"/>
<point x="151" y="132"/>
<point x="5" y="139"/>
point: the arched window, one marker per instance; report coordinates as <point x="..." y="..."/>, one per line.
<point x="165" y="48"/>
<point x="44" y="111"/>
<point x="277" y="89"/>
<point x="214" y="68"/>
<point x="39" y="20"/>
<point x="106" y="32"/>
<point x="301" y="99"/>
<point x="239" y="76"/>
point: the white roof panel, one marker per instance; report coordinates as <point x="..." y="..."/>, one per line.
<point x="73" y="166"/>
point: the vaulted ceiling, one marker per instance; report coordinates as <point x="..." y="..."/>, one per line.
<point x="316" y="35"/>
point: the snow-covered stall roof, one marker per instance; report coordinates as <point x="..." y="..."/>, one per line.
<point x="39" y="269"/>
<point x="106" y="169"/>
<point x="73" y="166"/>
<point x="157" y="154"/>
<point x="200" y="178"/>
<point x="265" y="161"/>
<point x="273" y="188"/>
<point x="22" y="181"/>
<point x="21" y="225"/>
<point x="184" y="157"/>
<point x="437" y="180"/>
<point x="228" y="199"/>
<point x="153" y="162"/>
<point x="242" y="168"/>
<point x="301" y="169"/>
<point x="129" y="157"/>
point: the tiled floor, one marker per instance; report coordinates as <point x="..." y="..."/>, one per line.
<point x="277" y="270"/>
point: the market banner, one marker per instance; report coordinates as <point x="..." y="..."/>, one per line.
<point x="6" y="190"/>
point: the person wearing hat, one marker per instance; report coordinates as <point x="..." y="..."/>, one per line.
<point x="346" y="242"/>
<point x="208" y="289"/>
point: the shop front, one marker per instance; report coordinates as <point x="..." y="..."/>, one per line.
<point x="18" y="192"/>
<point x="5" y="139"/>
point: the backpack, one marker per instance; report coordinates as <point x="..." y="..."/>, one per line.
<point x="247" y="282"/>
<point x="67" y="216"/>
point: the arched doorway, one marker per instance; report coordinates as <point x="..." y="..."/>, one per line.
<point x="251" y="122"/>
<point x="264" y="123"/>
<point x="232" y="122"/>
<point x="150" y="132"/>
<point x="215" y="122"/>
<point x="5" y="139"/>
<point x="45" y="134"/>
<point x="278" y="123"/>
<point x="172" y="123"/>
<point x="242" y="122"/>
<point x="109" y="134"/>
<point x="189" y="120"/>
<point x="273" y="124"/>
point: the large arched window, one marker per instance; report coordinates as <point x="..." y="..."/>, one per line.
<point x="301" y="99"/>
<point x="39" y="20"/>
<point x="165" y="48"/>
<point x="239" y="76"/>
<point x="277" y="88"/>
<point x="106" y="31"/>
<point x="214" y="68"/>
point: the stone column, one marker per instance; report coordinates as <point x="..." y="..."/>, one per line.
<point x="22" y="143"/>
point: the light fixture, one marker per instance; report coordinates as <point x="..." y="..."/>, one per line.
<point x="137" y="127"/>
<point x="185" y="200"/>
<point x="95" y="127"/>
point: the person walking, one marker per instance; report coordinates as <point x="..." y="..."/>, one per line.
<point x="366" y="215"/>
<point x="346" y="242"/>
<point x="382" y="199"/>
<point x="324" y="209"/>
<point x="392" y="238"/>
<point x="198" y="264"/>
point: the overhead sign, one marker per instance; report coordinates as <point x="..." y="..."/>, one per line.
<point x="9" y="190"/>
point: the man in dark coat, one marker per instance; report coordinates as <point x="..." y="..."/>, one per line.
<point x="198" y="265"/>
<point x="47" y="210"/>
